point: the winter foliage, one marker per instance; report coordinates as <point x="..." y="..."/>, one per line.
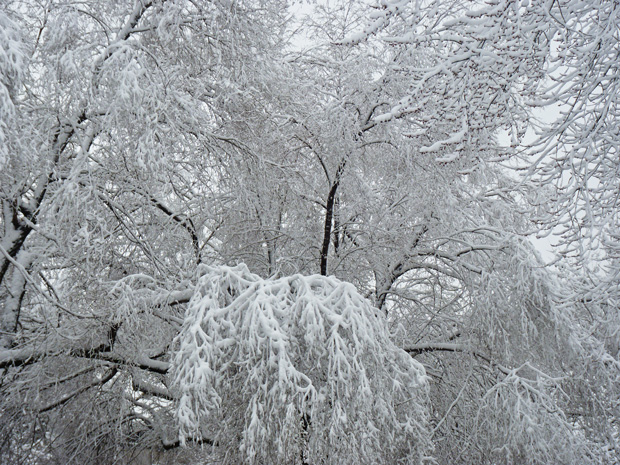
<point x="309" y="365"/>
<point x="12" y="64"/>
<point x="270" y="231"/>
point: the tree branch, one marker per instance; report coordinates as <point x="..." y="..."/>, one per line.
<point x="21" y="357"/>
<point x="67" y="397"/>
<point x="329" y="214"/>
<point x="184" y="221"/>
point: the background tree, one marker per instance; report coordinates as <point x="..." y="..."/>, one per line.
<point x="492" y="61"/>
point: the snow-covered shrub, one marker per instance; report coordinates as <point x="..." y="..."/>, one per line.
<point x="299" y="369"/>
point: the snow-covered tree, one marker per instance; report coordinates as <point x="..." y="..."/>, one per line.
<point x="487" y="65"/>
<point x="107" y="184"/>
<point x="295" y="370"/>
<point x="149" y="148"/>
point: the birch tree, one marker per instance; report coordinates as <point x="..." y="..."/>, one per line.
<point x="119" y="159"/>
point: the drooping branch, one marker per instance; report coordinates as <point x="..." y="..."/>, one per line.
<point x="233" y="310"/>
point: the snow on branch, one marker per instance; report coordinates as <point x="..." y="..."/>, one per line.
<point x="531" y="420"/>
<point x="299" y="368"/>
<point x="453" y="139"/>
<point x="378" y="20"/>
<point x="13" y="58"/>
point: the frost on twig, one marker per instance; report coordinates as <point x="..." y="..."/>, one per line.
<point x="296" y="369"/>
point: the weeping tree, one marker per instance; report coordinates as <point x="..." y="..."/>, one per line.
<point x="299" y="369"/>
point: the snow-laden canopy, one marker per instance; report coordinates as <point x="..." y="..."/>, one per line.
<point x="296" y="368"/>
